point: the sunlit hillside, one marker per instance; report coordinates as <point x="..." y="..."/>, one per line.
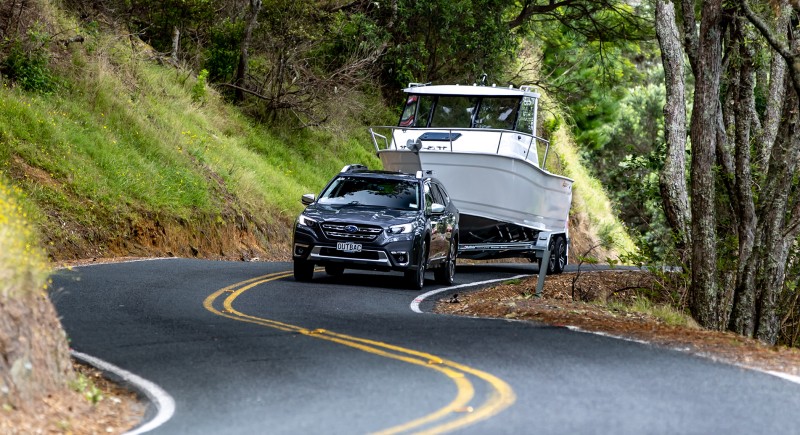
<point x="123" y="155"/>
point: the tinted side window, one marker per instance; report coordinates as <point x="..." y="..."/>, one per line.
<point x="443" y="196"/>
<point x="429" y="200"/>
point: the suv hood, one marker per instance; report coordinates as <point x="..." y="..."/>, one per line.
<point x="360" y="214"/>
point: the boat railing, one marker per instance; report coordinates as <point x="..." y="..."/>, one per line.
<point x="406" y="138"/>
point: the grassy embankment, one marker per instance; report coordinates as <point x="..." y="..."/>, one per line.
<point x="129" y="157"/>
<point x="126" y="149"/>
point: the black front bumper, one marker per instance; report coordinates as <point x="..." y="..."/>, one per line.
<point x="394" y="254"/>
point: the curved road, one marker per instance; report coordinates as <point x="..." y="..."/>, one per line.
<point x="243" y="348"/>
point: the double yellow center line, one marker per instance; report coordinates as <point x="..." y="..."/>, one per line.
<point x="456" y="414"/>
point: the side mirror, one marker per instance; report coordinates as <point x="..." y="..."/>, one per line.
<point x="308" y="198"/>
<point x="437" y="208"/>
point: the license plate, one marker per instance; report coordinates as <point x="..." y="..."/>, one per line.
<point x="348" y="247"/>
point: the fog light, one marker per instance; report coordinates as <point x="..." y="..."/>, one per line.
<point x="300" y="250"/>
<point x="400" y="257"/>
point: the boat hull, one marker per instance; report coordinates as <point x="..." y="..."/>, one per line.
<point x="493" y="189"/>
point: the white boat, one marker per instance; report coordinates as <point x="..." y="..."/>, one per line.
<point x="481" y="142"/>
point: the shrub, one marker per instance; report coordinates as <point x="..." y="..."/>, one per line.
<point x="28" y="61"/>
<point x="199" y="87"/>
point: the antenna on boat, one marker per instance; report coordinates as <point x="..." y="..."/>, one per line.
<point x="484" y="76"/>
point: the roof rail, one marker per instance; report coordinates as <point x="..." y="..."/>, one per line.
<point x="415" y="84"/>
<point x="354" y="167"/>
<point x="425" y="173"/>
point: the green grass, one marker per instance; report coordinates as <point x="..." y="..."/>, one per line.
<point x="125" y="138"/>
<point x="663" y="312"/>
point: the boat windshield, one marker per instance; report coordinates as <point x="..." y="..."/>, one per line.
<point x="497" y="112"/>
<point x="459" y="111"/>
<point x="454" y="111"/>
<point x="362" y="191"/>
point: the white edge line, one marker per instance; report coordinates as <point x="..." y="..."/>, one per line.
<point x="419" y="299"/>
<point x="784" y="376"/>
<point x="164" y="403"/>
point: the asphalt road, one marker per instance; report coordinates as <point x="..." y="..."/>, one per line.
<point x="243" y="348"/>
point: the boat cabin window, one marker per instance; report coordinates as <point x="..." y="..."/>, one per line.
<point x="454" y="111"/>
<point x="497" y="113"/>
<point x="459" y="111"/>
<point x="417" y="111"/>
<point x="526" y="112"/>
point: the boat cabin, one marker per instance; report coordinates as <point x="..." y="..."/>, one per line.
<point x="457" y="107"/>
<point x="481" y="119"/>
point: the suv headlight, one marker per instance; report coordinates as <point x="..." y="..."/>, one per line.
<point x="400" y="229"/>
<point x="306" y="221"/>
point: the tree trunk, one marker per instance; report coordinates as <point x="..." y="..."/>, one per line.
<point x="244" y="56"/>
<point x="690" y="31"/>
<point x="176" y="40"/>
<point x="777" y="90"/>
<point x="704" y="292"/>
<point x="743" y="316"/>
<point x="674" y="191"/>
<point x="778" y="236"/>
<point x="778" y="225"/>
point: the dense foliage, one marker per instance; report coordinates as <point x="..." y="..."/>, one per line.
<point x="297" y="56"/>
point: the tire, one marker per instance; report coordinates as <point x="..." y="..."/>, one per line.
<point x="334" y="269"/>
<point x="445" y="274"/>
<point x="558" y="256"/>
<point x="561" y="249"/>
<point x="303" y="270"/>
<point x="416" y="278"/>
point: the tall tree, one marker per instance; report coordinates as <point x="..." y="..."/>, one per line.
<point x="745" y="206"/>
<point x="244" y="55"/>
<point x="673" y="177"/>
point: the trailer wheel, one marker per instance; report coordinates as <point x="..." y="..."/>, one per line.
<point x="558" y="255"/>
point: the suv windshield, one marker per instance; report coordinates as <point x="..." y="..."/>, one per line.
<point x="399" y="194"/>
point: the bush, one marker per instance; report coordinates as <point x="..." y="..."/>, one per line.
<point x="222" y="56"/>
<point x="199" y="88"/>
<point x="28" y="61"/>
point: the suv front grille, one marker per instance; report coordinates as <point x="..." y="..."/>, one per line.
<point x="343" y="231"/>
<point x="363" y="255"/>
